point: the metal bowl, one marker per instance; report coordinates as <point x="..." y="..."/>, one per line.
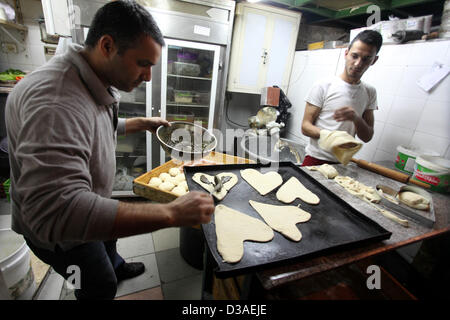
<point x="186" y="141"/>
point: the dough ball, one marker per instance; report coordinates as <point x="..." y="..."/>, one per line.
<point x="163" y="176"/>
<point x="179" y="191"/>
<point x="174" y="172"/>
<point x="184" y="185"/>
<point x="171" y="180"/>
<point x="180" y="178"/>
<point x="154" y="182"/>
<point x="166" y="186"/>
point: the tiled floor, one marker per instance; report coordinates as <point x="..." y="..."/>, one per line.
<point x="167" y="275"/>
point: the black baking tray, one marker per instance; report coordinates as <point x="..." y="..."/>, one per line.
<point x="334" y="223"/>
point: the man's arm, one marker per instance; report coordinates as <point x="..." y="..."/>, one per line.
<point x="363" y="125"/>
<point x="309" y="119"/>
<point x="137" y="218"/>
<point x="141" y="124"/>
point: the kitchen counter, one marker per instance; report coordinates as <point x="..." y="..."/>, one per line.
<point x="274" y="277"/>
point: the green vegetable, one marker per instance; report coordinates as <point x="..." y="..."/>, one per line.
<point x="11" y="74"/>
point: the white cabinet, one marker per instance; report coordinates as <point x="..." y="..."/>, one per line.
<point x="263" y="47"/>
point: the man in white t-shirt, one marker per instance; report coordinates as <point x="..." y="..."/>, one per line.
<point x="343" y="102"/>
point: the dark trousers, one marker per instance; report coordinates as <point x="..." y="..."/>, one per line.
<point x="96" y="261"/>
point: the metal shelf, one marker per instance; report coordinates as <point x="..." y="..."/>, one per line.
<point x="173" y="104"/>
<point x="187" y="77"/>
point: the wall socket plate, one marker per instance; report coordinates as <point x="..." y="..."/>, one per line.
<point x="8" y="47"/>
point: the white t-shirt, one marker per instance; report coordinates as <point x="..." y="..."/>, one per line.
<point x="334" y="93"/>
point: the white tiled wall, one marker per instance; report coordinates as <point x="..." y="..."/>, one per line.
<point x="407" y="115"/>
<point x="31" y="54"/>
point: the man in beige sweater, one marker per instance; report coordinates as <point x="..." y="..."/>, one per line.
<point x="62" y="124"/>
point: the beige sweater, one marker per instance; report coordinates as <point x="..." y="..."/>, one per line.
<point x="62" y="143"/>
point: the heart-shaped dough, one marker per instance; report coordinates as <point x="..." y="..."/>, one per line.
<point x="263" y="183"/>
<point x="282" y="218"/>
<point x="233" y="228"/>
<point x="293" y="189"/>
<point x="220" y="194"/>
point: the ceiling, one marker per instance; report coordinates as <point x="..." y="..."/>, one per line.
<point x="351" y="14"/>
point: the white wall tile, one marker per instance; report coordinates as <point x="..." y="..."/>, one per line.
<point x="392" y="136"/>
<point x="393" y="55"/>
<point x="406" y="112"/>
<point x="425" y="54"/>
<point x="385" y="101"/>
<point x="427" y="142"/>
<point x="381" y="155"/>
<point x="408" y="86"/>
<point x="37" y="54"/>
<point x="435" y="119"/>
<point x="388" y="79"/>
<point x="33" y="35"/>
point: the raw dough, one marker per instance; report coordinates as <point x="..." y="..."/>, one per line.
<point x="163" y="176"/>
<point x="263" y="183"/>
<point x="282" y="218"/>
<point x="414" y="200"/>
<point x="179" y="191"/>
<point x="326" y="170"/>
<point x="233" y="228"/>
<point x="166" y="186"/>
<point x="210" y="187"/>
<point x="358" y="189"/>
<point x="180" y="178"/>
<point x="341" y="144"/>
<point x="174" y="172"/>
<point x="184" y="185"/>
<point x="154" y="182"/>
<point x="171" y="180"/>
<point x="293" y="189"/>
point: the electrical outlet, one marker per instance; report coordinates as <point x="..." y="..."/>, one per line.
<point x="8" y="47"/>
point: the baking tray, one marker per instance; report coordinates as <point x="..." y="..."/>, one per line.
<point x="334" y="223"/>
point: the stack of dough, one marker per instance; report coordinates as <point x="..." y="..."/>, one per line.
<point x="341" y="144"/>
<point x="173" y="181"/>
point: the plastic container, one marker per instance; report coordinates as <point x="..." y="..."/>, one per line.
<point x="182" y="96"/>
<point x="406" y="157"/>
<point x="16" y="275"/>
<point x="434" y="171"/>
<point x="187" y="117"/>
<point x="185" y="69"/>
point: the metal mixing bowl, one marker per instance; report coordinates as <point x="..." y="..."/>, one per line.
<point x="186" y="141"/>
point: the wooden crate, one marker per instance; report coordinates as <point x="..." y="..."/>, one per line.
<point x="141" y="187"/>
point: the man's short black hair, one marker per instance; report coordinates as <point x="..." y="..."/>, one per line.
<point x="125" y="21"/>
<point x="370" y="37"/>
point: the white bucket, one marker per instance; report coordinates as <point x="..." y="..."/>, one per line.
<point x="16" y="276"/>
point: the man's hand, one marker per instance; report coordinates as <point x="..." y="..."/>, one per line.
<point x="192" y="208"/>
<point x="151" y="124"/>
<point x="141" y="124"/>
<point x="344" y="114"/>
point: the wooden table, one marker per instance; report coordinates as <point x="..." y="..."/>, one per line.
<point x="274" y="277"/>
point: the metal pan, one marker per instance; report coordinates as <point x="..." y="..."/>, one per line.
<point x="333" y="225"/>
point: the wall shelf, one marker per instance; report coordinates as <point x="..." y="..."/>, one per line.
<point x="13" y="25"/>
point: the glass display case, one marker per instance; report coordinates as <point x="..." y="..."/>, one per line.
<point x="189" y="72"/>
<point x="131" y="151"/>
